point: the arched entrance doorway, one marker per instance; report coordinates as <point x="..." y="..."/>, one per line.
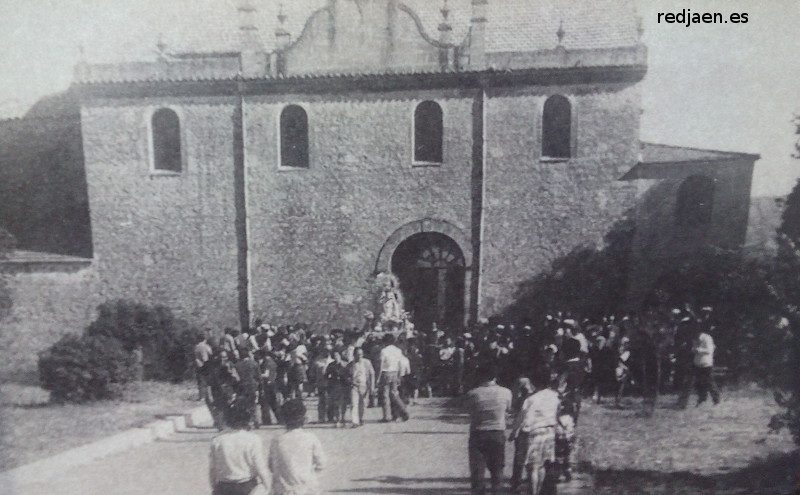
<point x="431" y="270"/>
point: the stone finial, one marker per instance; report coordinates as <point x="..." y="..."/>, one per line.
<point x="477" y="35"/>
<point x="81" y="66"/>
<point x="445" y="28"/>
<point x="446" y="51"/>
<point x="252" y="55"/>
<point x="161" y="47"/>
<point x="282" y="35"/>
<point x="281" y="16"/>
<point x="560" y="33"/>
<point x="479" y="10"/>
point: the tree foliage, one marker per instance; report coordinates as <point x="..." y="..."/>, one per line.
<point x="7" y="243"/>
<point x="164" y="339"/>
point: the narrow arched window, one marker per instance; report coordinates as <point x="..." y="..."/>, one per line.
<point x="294" y="137"/>
<point x="695" y="201"/>
<point x="428" y="132"/>
<point x="557" y="127"/>
<point x="166" y="129"/>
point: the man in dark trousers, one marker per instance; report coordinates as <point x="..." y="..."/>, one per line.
<point x="249" y="381"/>
<point x="488" y="404"/>
<point x="268" y="393"/>
<point x="570" y="380"/>
<point x="683" y="378"/>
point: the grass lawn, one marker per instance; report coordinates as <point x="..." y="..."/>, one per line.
<point x="31" y="429"/>
<point x="709" y="450"/>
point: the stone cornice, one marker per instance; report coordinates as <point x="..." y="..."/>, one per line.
<point x="361" y="83"/>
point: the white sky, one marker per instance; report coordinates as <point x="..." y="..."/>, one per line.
<point x="728" y="86"/>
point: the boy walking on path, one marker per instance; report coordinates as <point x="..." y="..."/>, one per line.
<point x="488" y="404"/>
<point x="296" y="456"/>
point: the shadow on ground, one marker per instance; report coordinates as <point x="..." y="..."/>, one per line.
<point x="775" y="475"/>
<point x="396" y="485"/>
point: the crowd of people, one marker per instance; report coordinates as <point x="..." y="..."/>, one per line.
<point x="550" y="367"/>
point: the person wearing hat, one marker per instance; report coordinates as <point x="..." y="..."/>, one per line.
<point x="296" y="456"/>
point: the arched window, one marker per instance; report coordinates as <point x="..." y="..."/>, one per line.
<point x="428" y="132"/>
<point x="294" y="137"/>
<point x="556" y="127"/>
<point x="695" y="201"/>
<point x="166" y="129"/>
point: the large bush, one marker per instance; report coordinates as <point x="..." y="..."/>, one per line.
<point x="166" y="341"/>
<point x="786" y="280"/>
<point x="84" y="368"/>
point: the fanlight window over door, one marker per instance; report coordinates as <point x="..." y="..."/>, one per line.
<point x="439" y="256"/>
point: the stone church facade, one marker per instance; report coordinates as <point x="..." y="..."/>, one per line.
<point x="278" y="178"/>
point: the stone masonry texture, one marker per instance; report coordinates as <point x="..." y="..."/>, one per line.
<point x="47" y="303"/>
<point x="536" y="210"/>
<point x="315" y="234"/>
<point x="161" y="238"/>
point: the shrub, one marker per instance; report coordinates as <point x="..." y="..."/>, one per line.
<point x="166" y="341"/>
<point x="84" y="368"/>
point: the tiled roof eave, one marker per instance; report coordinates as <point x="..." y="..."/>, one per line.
<point x="465" y="79"/>
<point x="721" y="155"/>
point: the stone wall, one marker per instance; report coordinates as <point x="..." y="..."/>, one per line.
<point x="47" y="303"/>
<point x="164" y="238"/>
<point x="537" y="210"/>
<point x="315" y="234"/>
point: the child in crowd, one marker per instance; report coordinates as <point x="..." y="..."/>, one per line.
<point x="565" y="437"/>
<point x="523" y="388"/>
<point x="296" y="456"/>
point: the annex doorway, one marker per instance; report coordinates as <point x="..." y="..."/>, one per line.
<point x="431" y="270"/>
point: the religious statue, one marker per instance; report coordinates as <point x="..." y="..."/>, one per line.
<point x="391" y="306"/>
<point x="390" y="300"/>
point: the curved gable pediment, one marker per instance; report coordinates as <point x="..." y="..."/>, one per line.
<point x="362" y="36"/>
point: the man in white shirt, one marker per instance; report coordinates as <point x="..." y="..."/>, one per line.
<point x="296" y="456"/>
<point x="703" y="349"/>
<point x="238" y="459"/>
<point x="391" y="358"/>
<point x="202" y="355"/>
<point x="362" y="382"/>
<point x="488" y="404"/>
<point x="537" y="419"/>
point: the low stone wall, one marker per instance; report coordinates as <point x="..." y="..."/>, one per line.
<point x="49" y="298"/>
